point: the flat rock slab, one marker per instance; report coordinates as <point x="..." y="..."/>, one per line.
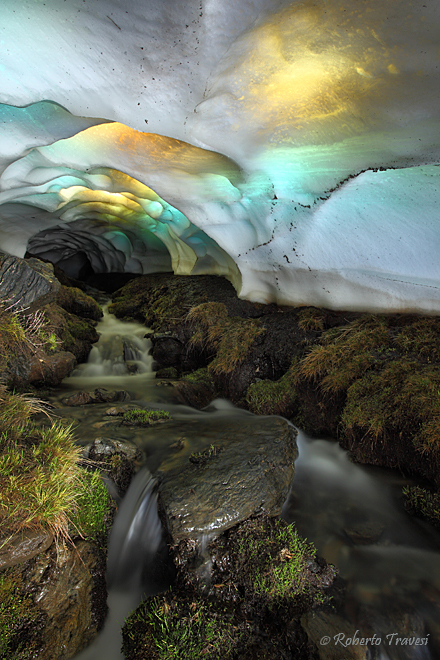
<point x="248" y="468"/>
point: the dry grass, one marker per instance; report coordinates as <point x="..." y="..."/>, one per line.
<point x="346" y="353"/>
<point x="230" y="338"/>
<point x="40" y="478"/>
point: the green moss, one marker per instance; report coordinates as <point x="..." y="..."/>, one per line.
<point x="17" y="613"/>
<point x="424" y="503"/>
<point x="93" y="507"/>
<point x="267" y="397"/>
<point x="141" y="417"/>
<point x="200" y="376"/>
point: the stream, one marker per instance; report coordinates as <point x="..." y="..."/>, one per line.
<point x="354" y="515"/>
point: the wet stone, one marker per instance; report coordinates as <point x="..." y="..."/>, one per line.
<point x="251" y="474"/>
<point x="23" y="546"/>
<point x="363" y="533"/>
<point x="100" y="395"/>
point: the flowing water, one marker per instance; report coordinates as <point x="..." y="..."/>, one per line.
<point x="354" y="515"/>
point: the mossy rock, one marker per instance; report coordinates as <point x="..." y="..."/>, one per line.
<point x="75" y="301"/>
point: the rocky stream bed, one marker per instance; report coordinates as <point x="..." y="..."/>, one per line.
<point x="244" y="584"/>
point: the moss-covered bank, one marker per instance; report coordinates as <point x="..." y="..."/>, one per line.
<point x="264" y="577"/>
<point x="371" y="381"/>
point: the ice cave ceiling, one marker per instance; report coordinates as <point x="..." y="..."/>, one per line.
<point x="293" y="147"/>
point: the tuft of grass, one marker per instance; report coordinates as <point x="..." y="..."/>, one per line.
<point x="424" y="503"/>
<point x="202" y="457"/>
<point x="93" y="504"/>
<point x="346" y="353"/>
<point x="42" y="486"/>
<point x="230" y="338"/>
<point x="163" y="630"/>
<point x="141" y="417"/>
<point x="311" y="319"/>
<point x="279" y="397"/>
<point x="20" y="333"/>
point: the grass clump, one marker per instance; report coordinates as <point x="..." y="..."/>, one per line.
<point x="267" y="397"/>
<point x="423" y="503"/>
<point x="141" y="417"/>
<point x="21" y="333"/>
<point x="18" y="613"/>
<point x="202" y="457"/>
<point x="310" y="319"/>
<point x="164" y="629"/>
<point x="346" y="353"/>
<point x="230" y="338"/>
<point x="42" y="485"/>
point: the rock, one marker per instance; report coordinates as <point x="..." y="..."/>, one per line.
<point x="363" y="533"/>
<point x="118" y="459"/>
<point x="23" y="547"/>
<point x="334" y="637"/>
<point x="75" y="301"/>
<point x="116" y="411"/>
<point x="78" y="399"/>
<point x="100" y="395"/>
<point x="250" y="471"/>
<point x="196" y="389"/>
<point x="68" y="585"/>
<point x="28" y="284"/>
<point x="40" y="369"/>
<point x="167" y="350"/>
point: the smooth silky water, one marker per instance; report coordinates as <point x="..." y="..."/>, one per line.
<point x="354" y="515"/>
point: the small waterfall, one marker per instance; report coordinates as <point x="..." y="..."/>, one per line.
<point x="121" y="350"/>
<point x="138" y="563"/>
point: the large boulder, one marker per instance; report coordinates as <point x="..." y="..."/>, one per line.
<point x="27" y="284"/>
<point x="245" y="469"/>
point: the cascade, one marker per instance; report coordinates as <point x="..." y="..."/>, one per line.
<point x="390" y="561"/>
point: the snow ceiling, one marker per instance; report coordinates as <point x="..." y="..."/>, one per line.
<point x="293" y="147"/>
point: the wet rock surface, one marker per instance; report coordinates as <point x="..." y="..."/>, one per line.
<point x="27" y="284"/>
<point x="249" y="470"/>
<point x="40" y="370"/>
<point x="119" y="460"/>
<point x="62" y="594"/>
<point x="99" y="395"/>
<point x="23" y="547"/>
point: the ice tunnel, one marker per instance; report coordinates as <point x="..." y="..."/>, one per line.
<point x="293" y="147"/>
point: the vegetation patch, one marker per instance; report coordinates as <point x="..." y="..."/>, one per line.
<point x="141" y="417"/>
<point x="202" y="457"/>
<point x="279" y="397"/>
<point x="264" y="577"/>
<point x="164" y="628"/>
<point x="93" y="506"/>
<point x="228" y="337"/>
<point x="424" y="503"/>
<point x="18" y="615"/>
<point x="42" y="485"/>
